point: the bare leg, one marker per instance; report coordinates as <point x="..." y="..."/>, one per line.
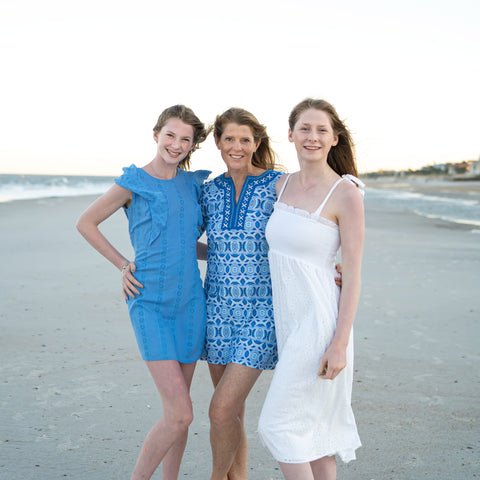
<point x="239" y="468"/>
<point x="226" y="417"/>
<point x="169" y="377"/>
<point x="296" y="471"/>
<point x="173" y="458"/>
<point x="324" y="468"/>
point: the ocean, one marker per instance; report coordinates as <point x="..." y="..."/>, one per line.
<point x="453" y="204"/>
<point x="449" y="201"/>
<point x="24" y="187"/>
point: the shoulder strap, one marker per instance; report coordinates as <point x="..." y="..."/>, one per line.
<point x="347" y="176"/>
<point x="318" y="211"/>
<point x="356" y="181"/>
<point x="283" y="187"/>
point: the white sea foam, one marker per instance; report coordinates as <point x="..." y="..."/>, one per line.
<point x="25" y="187"/>
<point x="455" y="208"/>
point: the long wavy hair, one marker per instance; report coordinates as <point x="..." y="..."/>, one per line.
<point x="341" y="157"/>
<point x="264" y="157"/>
<point x="187" y="116"/>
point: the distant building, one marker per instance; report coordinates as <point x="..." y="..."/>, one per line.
<point x="461" y="170"/>
<point x="458" y="168"/>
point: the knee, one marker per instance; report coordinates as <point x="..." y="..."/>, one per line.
<point x="221" y="414"/>
<point x="180" y="419"/>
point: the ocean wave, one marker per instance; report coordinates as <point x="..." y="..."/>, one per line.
<point x="434" y="198"/>
<point x="448" y="218"/>
<point x="452" y="207"/>
<point x="27" y="187"/>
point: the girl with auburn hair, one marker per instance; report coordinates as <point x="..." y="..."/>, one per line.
<point x="341" y="158"/>
<point x="307" y="416"/>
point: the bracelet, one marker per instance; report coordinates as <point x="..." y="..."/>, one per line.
<point x="125" y="266"/>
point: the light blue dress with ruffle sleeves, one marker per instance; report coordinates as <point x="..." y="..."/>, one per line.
<point x="165" y="221"/>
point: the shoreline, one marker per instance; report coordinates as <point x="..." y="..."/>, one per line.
<point x="457" y="203"/>
<point x="424" y="184"/>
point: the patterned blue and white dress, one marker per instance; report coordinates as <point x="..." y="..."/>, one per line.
<point x="240" y="325"/>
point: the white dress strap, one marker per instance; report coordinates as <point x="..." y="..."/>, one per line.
<point x="283" y="187"/>
<point x="318" y="211"/>
<point x="347" y="176"/>
<point x="356" y="181"/>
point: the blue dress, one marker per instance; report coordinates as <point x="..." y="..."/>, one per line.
<point x="240" y="326"/>
<point x="165" y="221"/>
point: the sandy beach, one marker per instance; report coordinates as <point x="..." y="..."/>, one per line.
<point x="76" y="401"/>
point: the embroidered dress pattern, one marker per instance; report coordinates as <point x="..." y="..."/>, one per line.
<point x="165" y="221"/>
<point x="240" y="326"/>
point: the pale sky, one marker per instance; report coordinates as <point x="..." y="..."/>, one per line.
<point x="83" y="82"/>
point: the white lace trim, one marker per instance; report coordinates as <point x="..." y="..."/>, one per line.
<point x="304" y="213"/>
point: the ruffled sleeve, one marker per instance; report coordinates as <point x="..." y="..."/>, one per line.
<point x="356" y="181"/>
<point x="155" y="200"/>
<point x="129" y="179"/>
<point x="199" y="177"/>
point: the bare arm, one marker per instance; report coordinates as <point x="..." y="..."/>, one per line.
<point x="104" y="207"/>
<point x="352" y="230"/>
<point x="101" y="209"/>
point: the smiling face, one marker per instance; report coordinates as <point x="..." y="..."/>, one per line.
<point x="237" y="146"/>
<point x="174" y="141"/>
<point x="313" y="135"/>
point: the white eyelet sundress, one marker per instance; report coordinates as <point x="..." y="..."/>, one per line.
<point x="304" y="417"/>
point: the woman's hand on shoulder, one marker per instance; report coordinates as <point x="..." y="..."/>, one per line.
<point x="130" y="284"/>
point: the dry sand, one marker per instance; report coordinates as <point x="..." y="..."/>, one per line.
<point x="76" y="400"/>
